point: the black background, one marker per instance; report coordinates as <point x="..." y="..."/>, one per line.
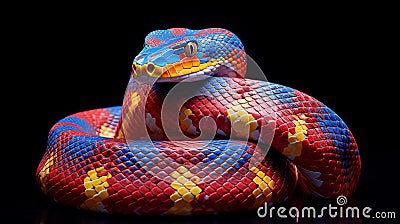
<point x="74" y="60"/>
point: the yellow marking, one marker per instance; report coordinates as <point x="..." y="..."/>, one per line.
<point x="175" y="185"/>
<point x="187" y="112"/>
<point x="292" y="138"/>
<point x="106" y="131"/>
<point x="237" y="108"/>
<point x="95" y="190"/>
<point x="103" y="178"/>
<point x="182" y="190"/>
<point x="271" y="184"/>
<point x="241" y="111"/>
<point x="246" y="118"/>
<point x="248" y="99"/>
<point x="203" y="66"/>
<point x="189" y="185"/>
<point x="90" y="193"/>
<point x="261" y="174"/>
<point x="242" y="101"/>
<point x="135" y="98"/>
<point x="185" y="71"/>
<point x="93" y="176"/>
<point x="188" y="197"/>
<point x="194" y="69"/>
<point x="196" y="62"/>
<point x="254" y="169"/>
<point x="175" y="196"/>
<point x="265" y="185"/>
<point x="136" y="69"/>
<point x="186" y="188"/>
<point x="295" y="140"/>
<point x="257" y="180"/>
<point x="253" y="124"/>
<point x="242" y="122"/>
<point x="188" y="174"/>
<point x="87" y="184"/>
<point x="46" y="170"/>
<point x="294" y="149"/>
<point x="185" y="122"/>
<point x="196" y="191"/>
<point x="175" y="174"/>
<point x="246" y="105"/>
<point x="298" y="129"/>
<point x="256" y="192"/>
<point x="267" y="191"/>
<point x="96" y="182"/>
<point x="182" y="179"/>
<point x="99" y="188"/>
<point x="182" y="169"/>
<point x="232" y="116"/>
<point x="267" y="179"/>
<point x="262" y="185"/>
<point x="300" y="136"/>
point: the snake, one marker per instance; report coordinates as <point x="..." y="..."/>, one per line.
<point x="269" y="141"/>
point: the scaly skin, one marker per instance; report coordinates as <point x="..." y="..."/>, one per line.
<point x="89" y="164"/>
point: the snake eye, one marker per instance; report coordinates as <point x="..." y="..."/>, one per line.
<point x="191" y="48"/>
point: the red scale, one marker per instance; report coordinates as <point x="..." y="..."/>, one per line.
<point x="221" y="191"/>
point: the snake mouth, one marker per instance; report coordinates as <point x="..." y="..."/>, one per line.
<point x="183" y="71"/>
<point x="194" y="76"/>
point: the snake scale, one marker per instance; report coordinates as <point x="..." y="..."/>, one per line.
<point x="97" y="159"/>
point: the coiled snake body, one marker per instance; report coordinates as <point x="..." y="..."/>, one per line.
<point x="98" y="160"/>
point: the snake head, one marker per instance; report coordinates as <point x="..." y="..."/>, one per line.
<point x="179" y="54"/>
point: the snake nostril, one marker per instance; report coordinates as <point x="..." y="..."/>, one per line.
<point x="150" y="68"/>
<point x="133" y="67"/>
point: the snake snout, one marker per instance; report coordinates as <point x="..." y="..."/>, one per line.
<point x="148" y="69"/>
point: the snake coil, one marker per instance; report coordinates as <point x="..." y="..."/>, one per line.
<point x="120" y="159"/>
